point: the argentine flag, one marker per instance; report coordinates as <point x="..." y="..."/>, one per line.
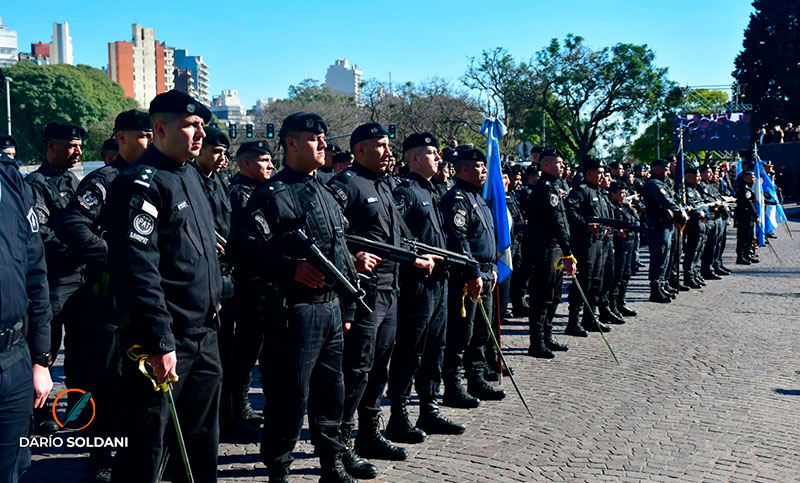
<point x="770" y="216"/>
<point x="495" y="195"/>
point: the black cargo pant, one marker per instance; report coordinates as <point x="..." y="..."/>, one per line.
<point x="467" y="334"/>
<point x="147" y="416"/>
<point x="745" y="232"/>
<point x="16" y="410"/>
<point x="545" y="287"/>
<point x="302" y="370"/>
<point x="590" y="255"/>
<point x="694" y="243"/>
<point x="624" y="250"/>
<point x="419" y="349"/>
<point x="368" y="348"/>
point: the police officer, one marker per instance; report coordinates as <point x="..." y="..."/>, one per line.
<point x="587" y="241"/>
<point x="746" y="218"/>
<point x="8" y="145"/>
<point x="24" y="356"/>
<point x="717" y="224"/>
<point x="419" y="350"/>
<point x="92" y="341"/>
<point x="695" y="232"/>
<point x="624" y="246"/>
<point x="303" y="350"/>
<point x="660" y="212"/>
<point x="470" y="230"/>
<point x="166" y="282"/>
<point x="110" y="150"/>
<point x="605" y="300"/>
<point x="441" y="180"/>
<point x="516" y="286"/>
<point x="53" y="186"/>
<point x="365" y="195"/>
<point x="326" y="172"/>
<point x="548" y="232"/>
<point x="255" y="297"/>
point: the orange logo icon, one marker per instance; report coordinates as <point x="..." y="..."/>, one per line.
<point x="79" y="408"/>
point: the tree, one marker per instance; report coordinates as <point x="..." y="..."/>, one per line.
<point x="593" y="94"/>
<point x="768" y="67"/>
<point x="82" y="94"/>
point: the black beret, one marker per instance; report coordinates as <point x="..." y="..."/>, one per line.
<point x="592" y="162"/>
<point x="7" y="142"/>
<point x="64" y="130"/>
<point x="660" y="162"/>
<point x="110" y="145"/>
<point x="177" y="102"/>
<point x="342" y="157"/>
<point x="215" y="137"/>
<point x="371" y="130"/>
<point x="133" y="120"/>
<point x="690" y="169"/>
<point x="747" y="173"/>
<point x="334" y="148"/>
<point x="532" y="169"/>
<point x="614" y="164"/>
<point x="420" y="139"/>
<point x="468" y="155"/>
<point x="303" y="122"/>
<point x="537" y="150"/>
<point x="617" y="185"/>
<point x="550" y="152"/>
<point x="258" y="147"/>
<point x="708" y="166"/>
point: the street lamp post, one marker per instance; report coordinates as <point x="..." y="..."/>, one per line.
<point x="8" y="102"/>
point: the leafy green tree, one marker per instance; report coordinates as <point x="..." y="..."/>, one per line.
<point x="81" y="94"/>
<point x="768" y="67"/>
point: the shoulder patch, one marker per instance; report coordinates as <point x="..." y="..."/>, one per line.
<point x="88" y="200"/>
<point x="33" y="220"/>
<point x="553" y="200"/>
<point x="101" y="189"/>
<point x="748" y="195"/>
<point x="261" y="225"/>
<point x="460" y="218"/>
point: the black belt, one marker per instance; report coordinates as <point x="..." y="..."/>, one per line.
<point x="9" y="337"/>
<point x="309" y="298"/>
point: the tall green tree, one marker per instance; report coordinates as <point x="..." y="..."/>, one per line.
<point x="81" y="94"/>
<point x="769" y="64"/>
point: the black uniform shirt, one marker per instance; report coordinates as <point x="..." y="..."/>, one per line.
<point x="241" y="189"/>
<point x="469" y="226"/>
<point x="547" y="221"/>
<point x="745" y="203"/>
<point x="416" y="200"/>
<point x="162" y="251"/>
<point x="368" y="205"/>
<point x="658" y="198"/>
<point x="23" y="280"/>
<point x="80" y="225"/>
<point x="216" y="190"/>
<point x="53" y="188"/>
<point x="288" y="201"/>
<point x="583" y="201"/>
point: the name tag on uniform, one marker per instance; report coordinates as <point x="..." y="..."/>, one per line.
<point x="372" y="200"/>
<point x="426" y="203"/>
<point x="182" y="205"/>
<point x="595" y="199"/>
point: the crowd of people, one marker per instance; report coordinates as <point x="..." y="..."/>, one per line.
<point x="777" y="134"/>
<point x="345" y="276"/>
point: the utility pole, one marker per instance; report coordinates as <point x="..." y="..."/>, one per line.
<point x="6" y="84"/>
<point x="544" y="129"/>
<point x="658" y="137"/>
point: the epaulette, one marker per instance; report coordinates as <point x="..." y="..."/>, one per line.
<point x="271" y="188"/>
<point x="458" y="194"/>
<point x="143" y="175"/>
<point x="345" y="176"/>
<point x="405" y="182"/>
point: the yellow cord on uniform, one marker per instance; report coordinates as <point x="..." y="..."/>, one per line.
<point x="463" y="301"/>
<point x="559" y="266"/>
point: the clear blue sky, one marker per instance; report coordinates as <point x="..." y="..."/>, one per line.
<point x="262" y="47"/>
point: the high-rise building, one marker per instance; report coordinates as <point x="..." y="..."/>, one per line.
<point x="169" y="67"/>
<point x="228" y="107"/>
<point x="343" y="79"/>
<point x="40" y="48"/>
<point x="184" y="81"/>
<point x="138" y="66"/>
<point x="199" y="73"/>
<point x="9" y="45"/>
<point x="61" y="47"/>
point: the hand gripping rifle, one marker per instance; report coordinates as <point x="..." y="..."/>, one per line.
<point x="452" y="259"/>
<point x="333" y="277"/>
<point x="384" y="250"/>
<point x="615" y="223"/>
<point x="225" y="266"/>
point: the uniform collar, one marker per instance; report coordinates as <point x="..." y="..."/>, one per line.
<point x="292" y="175"/>
<point x="239" y="178"/>
<point x="466" y="186"/>
<point x="363" y="171"/>
<point x="548" y="177"/>
<point x="118" y="163"/>
<point x="420" y="180"/>
<point x="155" y="158"/>
<point x="48" y="169"/>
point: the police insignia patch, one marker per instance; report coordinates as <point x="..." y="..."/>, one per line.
<point x="663" y="191"/>
<point x="459" y="219"/>
<point x="143" y="224"/>
<point x="88" y="200"/>
<point x="33" y="220"/>
<point x="190" y="108"/>
<point x="553" y="200"/>
<point x="747" y="195"/>
<point x="374" y="130"/>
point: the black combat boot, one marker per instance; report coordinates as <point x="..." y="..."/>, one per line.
<point x="455" y="396"/>
<point x="700" y="280"/>
<point x="400" y="429"/>
<point x="622" y="308"/>
<point x="45" y="425"/>
<point x="370" y="443"/>
<point x="278" y="474"/>
<point x="432" y="422"/>
<point x="479" y="388"/>
<point x="333" y="471"/>
<point x="658" y="295"/>
<point x="355" y="465"/>
<point x="725" y="270"/>
<point x="231" y="428"/>
<point x="574" y="327"/>
<point x="607" y="316"/>
<point x="719" y="272"/>
<point x="520" y="309"/>
<point x="669" y="291"/>
<point x="591" y="324"/>
<point x="740" y="260"/>
<point x="551" y="343"/>
<point x="691" y="282"/>
<point x="710" y="275"/>
<point x="538" y="348"/>
<point x="243" y="410"/>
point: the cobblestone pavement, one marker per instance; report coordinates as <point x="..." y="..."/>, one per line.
<point x="708" y="390"/>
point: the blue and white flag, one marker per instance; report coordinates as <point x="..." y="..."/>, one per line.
<point x="495" y="196"/>
<point x="771" y="215"/>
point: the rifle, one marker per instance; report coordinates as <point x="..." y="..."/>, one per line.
<point x="453" y="259"/>
<point x="383" y="250"/>
<point x="333" y="277"/>
<point x="225" y="265"/>
<point x="615" y="223"/>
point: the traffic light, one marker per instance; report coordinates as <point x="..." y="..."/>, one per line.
<point x="232" y="131"/>
<point x="392" y="131"/>
<point x="249" y="130"/>
<point x="270" y="130"/>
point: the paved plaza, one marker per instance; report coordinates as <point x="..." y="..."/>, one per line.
<point x="708" y="389"/>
